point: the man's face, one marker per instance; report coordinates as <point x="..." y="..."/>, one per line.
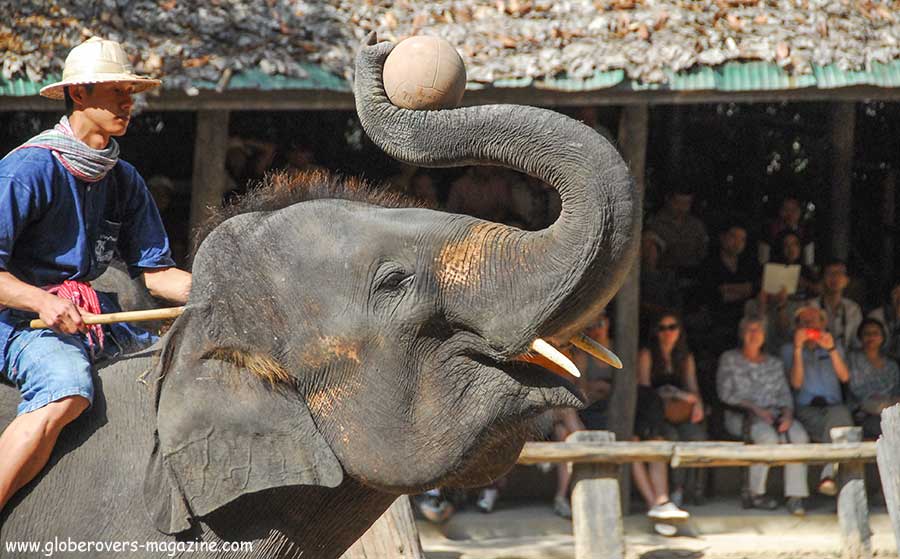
<point x="835" y="278"/>
<point x="810" y="318"/>
<point x="791" y="248"/>
<point x="734" y="240"/>
<point x="107" y="106"/>
<point x="790" y="212"/>
<point x="680" y="204"/>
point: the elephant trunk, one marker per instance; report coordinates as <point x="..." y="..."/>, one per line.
<point x="519" y="284"/>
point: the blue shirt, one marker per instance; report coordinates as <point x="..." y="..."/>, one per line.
<point x="819" y="376"/>
<point x="54" y="227"/>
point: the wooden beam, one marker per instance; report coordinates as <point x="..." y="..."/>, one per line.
<point x="843" y="123"/>
<point x="209" y="181"/>
<point x="302" y="100"/>
<point x="853" y="507"/>
<point x="889" y="465"/>
<point x="596" y="511"/>
<point x="698" y="454"/>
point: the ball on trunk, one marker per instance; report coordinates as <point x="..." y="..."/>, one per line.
<point x="424" y="73"/>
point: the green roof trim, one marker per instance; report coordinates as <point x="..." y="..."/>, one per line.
<point x="730" y="77"/>
<point x="24" y="88"/>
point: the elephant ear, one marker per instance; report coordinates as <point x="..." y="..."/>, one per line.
<point x="228" y="424"/>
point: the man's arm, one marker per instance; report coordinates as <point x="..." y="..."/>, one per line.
<point x="826" y="342"/>
<point x="171" y="284"/>
<point x="59" y="314"/>
<point x="796" y="355"/>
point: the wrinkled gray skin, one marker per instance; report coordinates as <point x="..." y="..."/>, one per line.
<point x="132" y="294"/>
<point x="396" y="326"/>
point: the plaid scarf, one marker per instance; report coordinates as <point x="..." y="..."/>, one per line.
<point x="86" y="163"/>
<point x="83" y="295"/>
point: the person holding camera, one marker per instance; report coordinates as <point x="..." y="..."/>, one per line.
<point x="816" y="367"/>
<point x="754" y="381"/>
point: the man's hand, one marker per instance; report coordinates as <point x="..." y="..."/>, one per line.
<point x="826" y="340"/>
<point x="697" y="413"/>
<point x="61" y="315"/>
<point x="785" y="423"/>
<point x="764" y="415"/>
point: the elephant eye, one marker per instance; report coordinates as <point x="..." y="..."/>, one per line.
<point x="395" y="280"/>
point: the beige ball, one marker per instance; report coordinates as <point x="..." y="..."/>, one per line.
<point x="424" y="73"/>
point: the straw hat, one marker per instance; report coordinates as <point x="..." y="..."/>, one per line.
<point x="98" y="61"/>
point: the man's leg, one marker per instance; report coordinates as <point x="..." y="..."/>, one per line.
<point x="27" y="442"/>
<point x="53" y="373"/>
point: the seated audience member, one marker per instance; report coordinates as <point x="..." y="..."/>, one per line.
<point x="816" y="368"/>
<point x="874" y="378"/>
<point x="779" y="308"/>
<point x="789" y="251"/>
<point x="844" y="315"/>
<point x="755" y="382"/>
<point x="482" y="192"/>
<point x="731" y="279"/>
<point x="683" y="233"/>
<point x="667" y="366"/>
<point x="789" y="219"/>
<point x="659" y="287"/>
<point x="889" y="316"/>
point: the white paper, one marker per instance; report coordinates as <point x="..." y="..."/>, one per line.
<point x="776" y="276"/>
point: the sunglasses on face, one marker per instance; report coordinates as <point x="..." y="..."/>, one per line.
<point x="664" y="327"/>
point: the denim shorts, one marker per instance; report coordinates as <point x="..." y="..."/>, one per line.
<point x="47" y="367"/>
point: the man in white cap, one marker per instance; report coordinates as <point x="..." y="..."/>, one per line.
<point x="67" y="204"/>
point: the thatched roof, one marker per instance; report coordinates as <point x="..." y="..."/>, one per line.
<point x="192" y="41"/>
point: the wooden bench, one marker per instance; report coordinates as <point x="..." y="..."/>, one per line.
<point x="596" y="457"/>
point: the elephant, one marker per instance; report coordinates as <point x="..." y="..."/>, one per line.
<point x="340" y="348"/>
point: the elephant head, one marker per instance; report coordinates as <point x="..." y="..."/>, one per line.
<point x="339" y="336"/>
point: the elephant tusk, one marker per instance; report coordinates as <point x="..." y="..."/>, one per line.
<point x="595" y="349"/>
<point x="546" y="350"/>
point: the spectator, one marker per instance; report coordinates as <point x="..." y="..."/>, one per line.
<point x="789" y="251"/>
<point x="816" y="368"/>
<point x="874" y="378"/>
<point x="481" y="192"/>
<point x="889" y="316"/>
<point x="844" y="315"/>
<point x="755" y="382"/>
<point x="731" y="280"/>
<point x="683" y="233"/>
<point x="789" y="220"/>
<point x="246" y="160"/>
<point x="659" y="288"/>
<point x="300" y="157"/>
<point x="667" y="366"/>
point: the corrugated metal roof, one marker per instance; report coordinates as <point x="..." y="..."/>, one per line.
<point x="729" y="77"/>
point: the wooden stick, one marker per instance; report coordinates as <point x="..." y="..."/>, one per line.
<point x="129" y="316"/>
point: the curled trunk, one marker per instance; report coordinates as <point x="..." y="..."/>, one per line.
<point x="521" y="284"/>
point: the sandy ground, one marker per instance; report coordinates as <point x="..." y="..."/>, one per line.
<point x="719" y="530"/>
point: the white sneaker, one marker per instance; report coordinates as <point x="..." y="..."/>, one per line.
<point x="666" y="530"/>
<point x="487" y="499"/>
<point x="668" y="511"/>
<point x="561" y="507"/>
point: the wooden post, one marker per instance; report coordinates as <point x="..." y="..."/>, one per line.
<point x="633" y="125"/>
<point x="888" y="446"/>
<point x="393" y="535"/>
<point x="209" y="180"/>
<point x="596" y="510"/>
<point x="843" y="124"/>
<point x="853" y="507"/>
